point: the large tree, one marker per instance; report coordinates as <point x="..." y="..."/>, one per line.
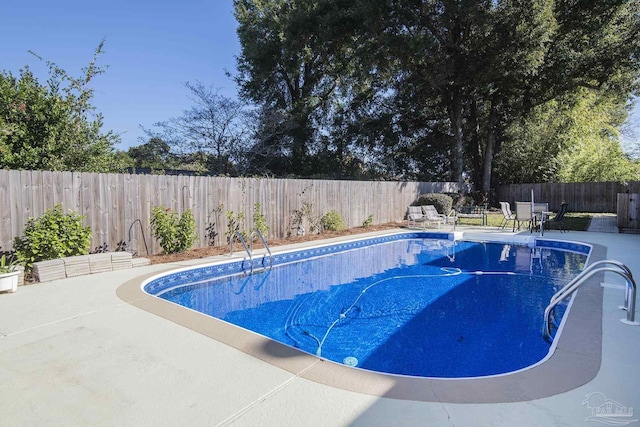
<point x="425" y="88"/>
<point x="294" y="54"/>
<point x="212" y="133"/>
<point x="54" y="126"/>
<point x="154" y="154"/>
<point x="477" y="67"/>
<point x="415" y="73"/>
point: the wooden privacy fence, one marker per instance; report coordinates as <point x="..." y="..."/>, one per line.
<point x="117" y="207"/>
<point x="629" y="212"/>
<point x="581" y="196"/>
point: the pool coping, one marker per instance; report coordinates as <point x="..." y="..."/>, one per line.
<point x="575" y="361"/>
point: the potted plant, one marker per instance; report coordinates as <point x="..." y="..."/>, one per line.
<point x="8" y="274"/>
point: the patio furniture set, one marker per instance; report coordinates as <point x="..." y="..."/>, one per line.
<point x="536" y="216"/>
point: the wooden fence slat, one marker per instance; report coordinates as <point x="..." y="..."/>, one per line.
<point x="5" y="210"/>
<point x="27" y="194"/>
<point x="48" y="196"/>
<point x="18" y="217"/>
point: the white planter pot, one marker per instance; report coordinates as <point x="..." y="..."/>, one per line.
<point x="9" y="281"/>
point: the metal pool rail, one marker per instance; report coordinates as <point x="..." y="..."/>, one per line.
<point x="597" y="267"/>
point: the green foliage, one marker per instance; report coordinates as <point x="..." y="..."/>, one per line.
<point x="592" y="148"/>
<point x="259" y="221"/>
<point x="176" y="233"/>
<point x="235" y="224"/>
<point x="210" y="230"/>
<point x="442" y="202"/>
<point x="8" y="264"/>
<point x="342" y="89"/>
<point x="367" y="222"/>
<point x="54" y="127"/>
<point x="298" y="218"/>
<point x="575" y="140"/>
<point x="534" y="144"/>
<point x="51" y="236"/>
<point x="332" y="221"/>
<point x="293" y="55"/>
<point x="154" y="154"/>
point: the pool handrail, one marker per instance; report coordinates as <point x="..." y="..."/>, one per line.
<point x="241" y="239"/>
<point x="592" y="269"/>
<point x="257" y="233"/>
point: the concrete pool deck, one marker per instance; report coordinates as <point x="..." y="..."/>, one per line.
<point x="73" y="353"/>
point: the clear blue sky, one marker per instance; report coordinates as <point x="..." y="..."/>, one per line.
<point x="152" y="48"/>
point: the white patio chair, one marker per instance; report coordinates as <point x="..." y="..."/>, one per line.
<point x="414" y="216"/>
<point x="507" y="215"/>
<point x="524" y="214"/>
<point x="432" y="216"/>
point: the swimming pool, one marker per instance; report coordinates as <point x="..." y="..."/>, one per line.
<point x="416" y="304"/>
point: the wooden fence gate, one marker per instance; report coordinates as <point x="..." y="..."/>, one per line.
<point x="629" y="212"/>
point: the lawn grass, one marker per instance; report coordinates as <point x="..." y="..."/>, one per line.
<point x="574" y="221"/>
<point x="577" y="221"/>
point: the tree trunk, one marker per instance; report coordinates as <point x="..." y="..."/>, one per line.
<point x="489" y="149"/>
<point x="475" y="150"/>
<point x="458" y="147"/>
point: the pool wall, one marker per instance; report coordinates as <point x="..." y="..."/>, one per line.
<point x="575" y="361"/>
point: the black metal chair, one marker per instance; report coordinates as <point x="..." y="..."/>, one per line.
<point x="559" y="218"/>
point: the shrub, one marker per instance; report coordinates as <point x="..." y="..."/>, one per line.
<point x="235" y="223"/>
<point x="442" y="202"/>
<point x="299" y="216"/>
<point x="259" y="222"/>
<point x="367" y="222"/>
<point x="458" y="199"/>
<point x="51" y="236"/>
<point x="176" y="233"/>
<point x="332" y="221"/>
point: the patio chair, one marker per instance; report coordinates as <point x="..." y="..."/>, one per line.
<point x="507" y="214"/>
<point x="414" y="216"/>
<point x="432" y="216"/>
<point x="524" y="214"/>
<point x="559" y="218"/>
<point x="424" y="215"/>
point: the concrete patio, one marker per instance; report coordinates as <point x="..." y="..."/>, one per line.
<point x="73" y="353"/>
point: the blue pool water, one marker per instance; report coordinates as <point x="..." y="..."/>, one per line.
<point x="412" y="306"/>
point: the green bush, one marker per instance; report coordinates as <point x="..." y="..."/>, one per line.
<point x="51" y="236"/>
<point x="235" y="223"/>
<point x="176" y="233"/>
<point x="458" y="199"/>
<point x="442" y="202"/>
<point x="367" y="222"/>
<point x="259" y="221"/>
<point x="332" y="221"/>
